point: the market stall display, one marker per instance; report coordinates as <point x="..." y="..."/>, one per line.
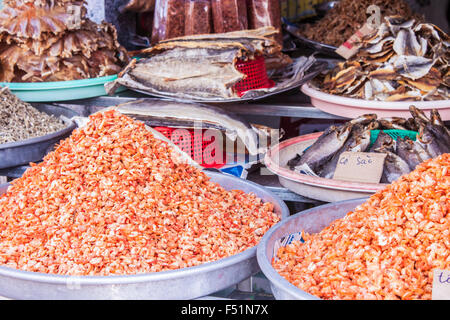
<point x="346" y="17"/>
<point x="27" y="133"/>
<point x="204" y="68"/>
<point x="385" y="248"/>
<point x="113" y="184"/>
<point x="404" y="151"/>
<point x="49" y="41"/>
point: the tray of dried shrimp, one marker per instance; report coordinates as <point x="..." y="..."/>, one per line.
<point x="184" y="283"/>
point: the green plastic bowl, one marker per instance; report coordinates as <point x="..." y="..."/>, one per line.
<point x="394" y="133"/>
<point x="60" y="90"/>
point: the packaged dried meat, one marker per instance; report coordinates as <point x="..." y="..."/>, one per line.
<point x="168" y="21"/>
<point x="229" y="15"/>
<point x="198" y="17"/>
<point x="263" y="13"/>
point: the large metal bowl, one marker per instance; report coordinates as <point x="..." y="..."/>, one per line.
<point x="14" y="154"/>
<point x="311" y="221"/>
<point x="186" y="283"/>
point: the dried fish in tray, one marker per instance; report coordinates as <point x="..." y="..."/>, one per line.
<point x="202" y="67"/>
<point x="20" y="121"/>
<point x="401" y="61"/>
<point x="28" y="133"/>
<point x="403" y="154"/>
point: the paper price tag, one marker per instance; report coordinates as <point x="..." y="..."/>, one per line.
<point x="360" y="167"/>
<point x="441" y="285"/>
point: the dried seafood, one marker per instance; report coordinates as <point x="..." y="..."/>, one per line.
<point x="386" y="248"/>
<point x="348" y="16"/>
<point x="20" y="121"/>
<point x="403" y="154"/>
<point x="114" y="200"/>
<point x="401" y="61"/>
<point x="54" y="41"/>
<point x="200" y="66"/>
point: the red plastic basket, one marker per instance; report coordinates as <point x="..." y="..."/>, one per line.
<point x="191" y="142"/>
<point x="256" y="75"/>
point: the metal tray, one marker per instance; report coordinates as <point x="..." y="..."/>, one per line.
<point x="186" y="283"/>
<point x="14" y="154"/>
<point x="317" y="68"/>
<point x="327" y="190"/>
<point x="311" y="221"/>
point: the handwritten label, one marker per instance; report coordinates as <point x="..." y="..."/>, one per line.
<point x="441" y="285"/>
<point x="360" y="167"/>
<point x="350" y="47"/>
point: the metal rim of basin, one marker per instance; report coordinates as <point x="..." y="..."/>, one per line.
<point x="276" y="280"/>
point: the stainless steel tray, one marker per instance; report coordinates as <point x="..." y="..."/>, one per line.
<point x="311" y="221"/>
<point x="14" y="154"/>
<point x="186" y="283"/>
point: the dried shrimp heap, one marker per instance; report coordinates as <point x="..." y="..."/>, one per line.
<point x="402" y="61"/>
<point x="54" y="41"/>
<point x="348" y="16"/>
<point x="112" y="199"/>
<point x="20" y="121"/>
<point x="387" y="248"/>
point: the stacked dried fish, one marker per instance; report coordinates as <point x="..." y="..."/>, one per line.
<point x="20" y="121"/>
<point x="200" y="66"/>
<point x="55" y="41"/>
<point x="401" y="61"/>
<point x="403" y="154"/>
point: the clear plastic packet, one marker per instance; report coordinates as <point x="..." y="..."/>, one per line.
<point x="168" y="21"/>
<point x="229" y="15"/>
<point x="263" y="13"/>
<point x="198" y="17"/>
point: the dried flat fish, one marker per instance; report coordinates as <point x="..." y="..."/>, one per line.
<point x="198" y="66"/>
<point x="402" y="61"/>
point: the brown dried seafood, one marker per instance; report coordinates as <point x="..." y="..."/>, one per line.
<point x="199" y="66"/>
<point x="20" y="121"/>
<point x="54" y="41"/>
<point x="401" y="61"/>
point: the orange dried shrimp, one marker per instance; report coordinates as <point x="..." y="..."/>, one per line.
<point x="387" y="248"/>
<point x="112" y="199"/>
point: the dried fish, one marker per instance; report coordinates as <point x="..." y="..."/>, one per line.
<point x="326" y="146"/>
<point x="403" y="154"/>
<point x="55" y="41"/>
<point x="190" y="115"/>
<point x="402" y="61"/>
<point x="20" y="121"/>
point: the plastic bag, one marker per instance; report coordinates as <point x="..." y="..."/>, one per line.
<point x="168" y="21"/>
<point x="198" y="17"/>
<point x="263" y="13"/>
<point x="229" y="15"/>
